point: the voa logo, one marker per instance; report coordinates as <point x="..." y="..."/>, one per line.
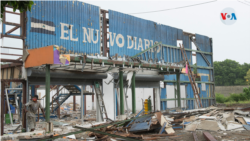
<point x="228" y="16"/>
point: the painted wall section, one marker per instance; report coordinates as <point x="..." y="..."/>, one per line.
<point x="41" y="56"/>
<point x="72" y="25"/>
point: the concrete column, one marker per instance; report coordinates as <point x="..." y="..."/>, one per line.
<point x="133" y="94"/>
<point x="178" y="89"/>
<point x="47" y="100"/>
<point x="121" y="92"/>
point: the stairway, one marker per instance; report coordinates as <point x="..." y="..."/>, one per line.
<point x="57" y="101"/>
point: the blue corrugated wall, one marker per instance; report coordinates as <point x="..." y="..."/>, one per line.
<point x="71" y="37"/>
<point x="205" y="74"/>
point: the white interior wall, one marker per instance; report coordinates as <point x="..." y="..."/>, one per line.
<point x="109" y="97"/>
<point x="141" y="93"/>
<point x="170" y="94"/>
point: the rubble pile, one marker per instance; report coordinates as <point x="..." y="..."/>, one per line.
<point x="210" y="123"/>
<point x="164" y="125"/>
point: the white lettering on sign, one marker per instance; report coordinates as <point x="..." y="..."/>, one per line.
<point x="131" y="42"/>
<point x="140" y="44"/>
<point x="71" y="34"/>
<point x="96" y="34"/>
<point x="119" y="36"/>
<point x="64" y="31"/>
<point x="85" y="32"/>
<point x="112" y="38"/>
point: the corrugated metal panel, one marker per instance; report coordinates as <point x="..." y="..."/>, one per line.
<point x="186" y="41"/>
<point x="170" y="77"/>
<point x="204" y="73"/>
<point x="203" y="43"/>
<point x="130" y="35"/>
<point x="202" y="62"/>
<point x="62" y="23"/>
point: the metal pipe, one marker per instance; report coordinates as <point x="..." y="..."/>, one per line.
<point x="154" y="98"/>
<point x="93" y="98"/>
<point x="47" y="115"/>
<point x="121" y="92"/>
<point x="23" y="104"/>
<point x="2" y="110"/>
<point x="85" y="104"/>
<point x="74" y="103"/>
<point x="17" y="107"/>
<point x="8" y="104"/>
<point x="82" y="104"/>
<point x="178" y="89"/>
<point x="133" y="94"/>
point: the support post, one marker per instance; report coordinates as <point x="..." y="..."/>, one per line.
<point x="74" y="103"/>
<point x="133" y="94"/>
<point x="178" y="89"/>
<point x="59" y="107"/>
<point x="2" y="105"/>
<point x="82" y="103"/>
<point x="93" y="98"/>
<point x="154" y="98"/>
<point x="121" y="92"/>
<point x="47" y="114"/>
<point x="85" y="104"/>
<point x="23" y="104"/>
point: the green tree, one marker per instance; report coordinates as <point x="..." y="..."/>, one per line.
<point x="230" y="72"/>
<point x="21" y="5"/>
<point x="247" y="77"/>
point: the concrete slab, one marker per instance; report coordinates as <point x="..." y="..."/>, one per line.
<point x="192" y="126"/>
<point x="209" y="125"/>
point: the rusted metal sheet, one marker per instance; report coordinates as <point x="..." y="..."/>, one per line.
<point x="208" y="136"/>
<point x="72" y="25"/>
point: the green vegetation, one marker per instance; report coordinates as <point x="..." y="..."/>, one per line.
<point x="242" y="98"/>
<point x="247" y="77"/>
<point x="20" y="5"/>
<point x="230" y="73"/>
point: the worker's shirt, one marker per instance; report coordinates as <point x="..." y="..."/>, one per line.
<point x="32" y="108"/>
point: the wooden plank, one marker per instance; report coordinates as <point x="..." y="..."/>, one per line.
<point x="161" y="120"/>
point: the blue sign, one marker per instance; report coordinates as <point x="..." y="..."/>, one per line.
<point x="72" y="25"/>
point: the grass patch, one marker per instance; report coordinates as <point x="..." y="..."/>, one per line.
<point x="242" y="98"/>
<point x="234" y="102"/>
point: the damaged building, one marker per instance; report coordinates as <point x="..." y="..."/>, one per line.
<point x="71" y="45"/>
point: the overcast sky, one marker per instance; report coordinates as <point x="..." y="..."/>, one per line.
<point x="229" y="41"/>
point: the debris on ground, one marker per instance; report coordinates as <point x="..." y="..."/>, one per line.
<point x="210" y="123"/>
